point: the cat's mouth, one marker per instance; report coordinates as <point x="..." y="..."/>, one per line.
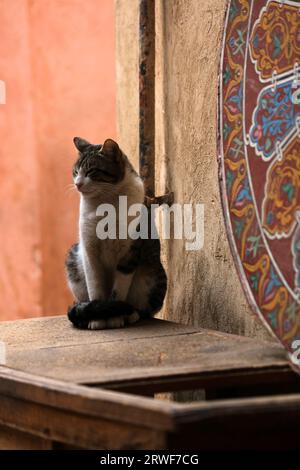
<point x="82" y="190"/>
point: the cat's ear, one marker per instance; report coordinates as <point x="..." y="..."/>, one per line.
<point x="81" y="144"/>
<point x="111" y="148"/>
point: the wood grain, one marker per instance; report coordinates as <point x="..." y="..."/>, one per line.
<point x="58" y="331"/>
<point x="154" y="349"/>
<point x="13" y="439"/>
<point x="47" y="362"/>
<point x="85" y="400"/>
<point x="76" y="429"/>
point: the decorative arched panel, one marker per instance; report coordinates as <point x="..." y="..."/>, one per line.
<point x="259" y="135"/>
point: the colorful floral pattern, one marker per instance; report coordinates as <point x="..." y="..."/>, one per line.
<point x="272" y="141"/>
<point x="274" y="117"/>
<point x="282" y="193"/>
<point x="275" y="39"/>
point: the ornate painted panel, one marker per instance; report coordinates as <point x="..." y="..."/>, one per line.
<point x="259" y="135"/>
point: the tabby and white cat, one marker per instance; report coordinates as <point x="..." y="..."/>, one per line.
<point x="114" y="281"/>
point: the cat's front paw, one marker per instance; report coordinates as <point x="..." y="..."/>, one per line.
<point x="109" y="323"/>
<point x="99" y="315"/>
<point x="76" y="315"/>
<point x="114" y="322"/>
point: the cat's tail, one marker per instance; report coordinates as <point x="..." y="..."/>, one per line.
<point x="98" y="315"/>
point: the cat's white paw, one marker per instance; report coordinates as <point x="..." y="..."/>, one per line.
<point x="116" y="322"/>
<point x="133" y="318"/>
<point x="97" y="325"/>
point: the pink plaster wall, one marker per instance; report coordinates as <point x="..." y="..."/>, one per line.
<point x="57" y="59"/>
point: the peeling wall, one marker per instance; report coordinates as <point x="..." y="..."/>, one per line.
<point x="204" y="288"/>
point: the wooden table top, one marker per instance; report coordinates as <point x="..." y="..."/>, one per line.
<point x="51" y="347"/>
<point x="59" y="384"/>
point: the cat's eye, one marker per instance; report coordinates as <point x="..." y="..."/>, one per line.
<point x="97" y="172"/>
<point x="90" y="172"/>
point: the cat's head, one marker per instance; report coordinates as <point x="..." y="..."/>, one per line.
<point x="97" y="166"/>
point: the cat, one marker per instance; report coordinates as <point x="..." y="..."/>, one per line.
<point x="115" y="282"/>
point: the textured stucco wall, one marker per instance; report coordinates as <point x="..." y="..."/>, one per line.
<point x="127" y="53"/>
<point x="204" y="288"/>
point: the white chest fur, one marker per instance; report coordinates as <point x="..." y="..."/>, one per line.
<point x="101" y="256"/>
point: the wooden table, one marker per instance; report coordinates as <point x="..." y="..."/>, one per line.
<point x="67" y="388"/>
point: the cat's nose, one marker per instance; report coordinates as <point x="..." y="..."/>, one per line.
<point x="79" y="185"/>
<point x="79" y="182"/>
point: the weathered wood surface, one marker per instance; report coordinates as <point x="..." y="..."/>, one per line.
<point x="12" y="439"/>
<point x="147" y="94"/>
<point x="44" y="404"/>
<point x="251" y="423"/>
<point x="80" y="416"/>
<point x="83" y="400"/>
<point x="151" y="350"/>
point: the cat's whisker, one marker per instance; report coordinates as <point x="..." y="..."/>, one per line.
<point x="70" y="187"/>
<point x="69" y="193"/>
